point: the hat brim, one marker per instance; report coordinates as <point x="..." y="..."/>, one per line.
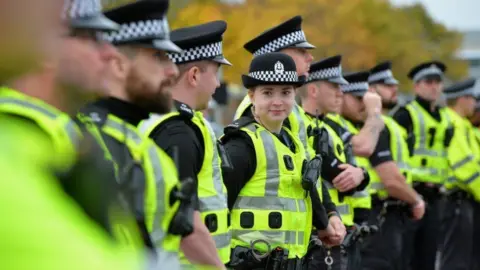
<point x="249" y="82"/>
<point x="391" y="81"/>
<point x="437" y="77"/>
<point x="356" y="93"/>
<point x="338" y="80"/>
<point x="221" y="60"/>
<point x="98" y="22"/>
<point x="166" y="45"/>
<point x="304" y="45"/>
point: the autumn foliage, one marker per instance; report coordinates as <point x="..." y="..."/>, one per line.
<point x="363" y="31"/>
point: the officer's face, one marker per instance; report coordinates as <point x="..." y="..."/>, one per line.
<point x="24" y="24"/>
<point x="272" y="103"/>
<point x="475" y="119"/>
<point x="429" y="88"/>
<point x="149" y="80"/>
<point x="468" y="103"/>
<point x="388" y="93"/>
<point x="353" y="108"/>
<point x="83" y="60"/>
<point x="302" y="57"/>
<point x="329" y="97"/>
<point x="206" y="84"/>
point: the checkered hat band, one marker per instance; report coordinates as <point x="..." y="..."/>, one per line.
<point x="272" y="76"/>
<point x="358" y="86"/>
<point x="197" y="53"/>
<point x="74" y="9"/>
<point x="432" y="70"/>
<point x="382" y="75"/>
<point x="324" y="74"/>
<point x="139" y="30"/>
<point x="281" y="42"/>
<point x="465" y="92"/>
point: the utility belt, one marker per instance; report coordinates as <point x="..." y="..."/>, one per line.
<point x="247" y="258"/>
<point x="457" y="195"/>
<point x="390" y="204"/>
<point x="429" y="191"/>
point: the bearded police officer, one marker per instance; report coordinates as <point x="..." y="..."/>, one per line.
<point x="429" y="132"/>
<point x="321" y="94"/>
<point x="463" y="185"/>
<point x="392" y="197"/>
<point x="138" y="68"/>
<point x="185" y="133"/>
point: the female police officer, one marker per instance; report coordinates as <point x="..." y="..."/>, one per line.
<point x="271" y="214"/>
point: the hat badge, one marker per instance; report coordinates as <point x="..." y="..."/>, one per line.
<point x="279" y="68"/>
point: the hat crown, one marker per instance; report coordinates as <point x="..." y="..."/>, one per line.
<point x="275" y="62"/>
<point x="387" y="65"/>
<point x="77" y="9"/>
<point x="426" y="69"/>
<point x="206" y="33"/>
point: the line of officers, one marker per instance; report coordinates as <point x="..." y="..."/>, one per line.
<point x="108" y="163"/>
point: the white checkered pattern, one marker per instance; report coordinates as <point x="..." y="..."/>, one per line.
<point x="431" y="70"/>
<point x="207" y="51"/>
<point x="382" y="75"/>
<point x="358" y="86"/>
<point x="324" y="74"/>
<point x="73" y="9"/>
<point x="281" y="42"/>
<point x="272" y="76"/>
<point x="139" y="30"/>
<point x="465" y="92"/>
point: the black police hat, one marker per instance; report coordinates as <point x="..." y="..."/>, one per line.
<point x="357" y="83"/>
<point x="272" y="69"/>
<point x="382" y="73"/>
<point x="288" y="34"/>
<point x="328" y="69"/>
<point x="432" y="69"/>
<point x="200" y="42"/>
<point x="87" y="14"/>
<point x="142" y="23"/>
<point x="460" y="89"/>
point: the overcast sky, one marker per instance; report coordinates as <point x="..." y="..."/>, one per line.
<point x="458" y="14"/>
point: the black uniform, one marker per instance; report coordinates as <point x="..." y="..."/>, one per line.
<point x="422" y="236"/>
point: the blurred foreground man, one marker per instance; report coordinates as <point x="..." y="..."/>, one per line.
<point x="463" y="185"/>
<point x="39" y="142"/>
<point x="186" y="135"/>
<point x="393" y="198"/>
<point x="430" y="131"/>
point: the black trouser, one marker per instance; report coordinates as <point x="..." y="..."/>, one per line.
<point x="476" y="237"/>
<point x="457" y="231"/>
<point x="421" y="237"/>
<point x="383" y="250"/>
<point x="316" y="259"/>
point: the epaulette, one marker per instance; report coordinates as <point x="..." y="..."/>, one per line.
<point x="238" y="124"/>
<point x="93" y="114"/>
<point x="184" y="110"/>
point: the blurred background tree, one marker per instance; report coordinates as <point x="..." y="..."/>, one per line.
<point x="365" y="32"/>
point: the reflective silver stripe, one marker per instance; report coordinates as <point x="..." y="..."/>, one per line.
<point x="157" y="233"/>
<point x="147" y="124"/>
<point x="343" y="209"/>
<point x="302" y="132"/>
<point x="273" y="171"/>
<point x="220" y="200"/>
<point x="272" y="237"/>
<point x="166" y="260"/>
<point x="462" y="162"/>
<point x="70" y="127"/>
<point x="124" y="129"/>
<point x="472" y="178"/>
<point x="28" y="105"/>
<point x="422" y="148"/>
<point x="361" y="194"/>
<point x="377" y="186"/>
<point x="345" y="136"/>
<point x="222" y="240"/>
<point x="271" y="203"/>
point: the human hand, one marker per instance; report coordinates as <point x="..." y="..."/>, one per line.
<point x="349" y="179"/>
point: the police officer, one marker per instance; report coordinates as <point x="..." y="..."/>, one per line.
<point x="289" y="38"/>
<point x="188" y="136"/>
<point x="429" y="133"/>
<point x="137" y="72"/>
<point x="33" y="97"/>
<point x="463" y="184"/>
<point x="271" y="215"/>
<point x="475" y="120"/>
<point x="392" y="196"/>
<point x="321" y="95"/>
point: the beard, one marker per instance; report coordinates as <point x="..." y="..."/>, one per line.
<point x="152" y="98"/>
<point x="389" y="104"/>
